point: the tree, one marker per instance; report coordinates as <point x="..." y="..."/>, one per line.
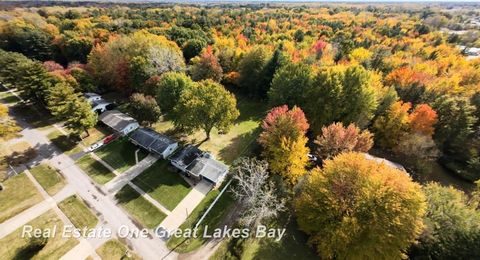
<point x="8" y="127"/>
<point x="390" y="128"/>
<point x="299" y="35"/>
<point x="356" y="208"/>
<point x="193" y="48"/>
<point x="144" y="108"/>
<point x="284" y="142"/>
<point x="206" y="66"/>
<point x="81" y="117"/>
<point x="290" y="84"/>
<point x="255" y="193"/>
<point x="59" y="99"/>
<point x="336" y="139"/>
<point x="204" y="106"/>
<point x="423" y="119"/>
<point x="251" y="69"/>
<point x="452" y="226"/>
<point x="169" y="89"/>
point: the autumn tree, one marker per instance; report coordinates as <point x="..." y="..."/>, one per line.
<point x="255" y="193"/>
<point x="336" y="139"/>
<point x="251" y="69"/>
<point x="290" y="84"/>
<point x="204" y="106"/>
<point x="390" y="127"/>
<point x="81" y="116"/>
<point x="169" y="88"/>
<point x="357" y="208"/>
<point x="423" y="119"/>
<point x="8" y="127"/>
<point x="452" y="226"/>
<point x="284" y="142"/>
<point x="144" y="108"/>
<point x="192" y="48"/>
<point x="206" y="66"/>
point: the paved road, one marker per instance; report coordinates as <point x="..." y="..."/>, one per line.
<point x="148" y="248"/>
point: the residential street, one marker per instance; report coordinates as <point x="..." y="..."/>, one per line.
<point x="114" y="217"/>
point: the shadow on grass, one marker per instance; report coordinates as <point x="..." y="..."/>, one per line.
<point x="36" y="116"/>
<point x="29" y="251"/>
<point x="126" y="194"/>
<point x="242" y="145"/>
<point x="64" y="143"/>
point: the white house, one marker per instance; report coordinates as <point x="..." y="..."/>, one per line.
<point x="118" y="121"/>
<point x="153" y="142"/>
<point x="92" y="97"/>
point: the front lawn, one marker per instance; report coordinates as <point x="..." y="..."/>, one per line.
<point x="78" y="212"/>
<point x="240" y="140"/>
<point x="63" y="142"/>
<point x="165" y="186"/>
<point x="16" y="247"/>
<point x="139" y="208"/>
<point x="120" y="154"/>
<point x="99" y="173"/>
<point x="114" y="249"/>
<point x="50" y="179"/>
<point x="212" y="220"/>
<point x="18" y="194"/>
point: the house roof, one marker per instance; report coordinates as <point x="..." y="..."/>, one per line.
<point x="100" y="102"/>
<point x="151" y="140"/>
<point x="116" y="119"/>
<point x="90" y="94"/>
<point x="208" y="168"/>
<point x="385" y="161"/>
<point x="186" y="156"/>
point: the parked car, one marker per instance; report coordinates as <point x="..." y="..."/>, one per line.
<point x="109" y="138"/>
<point x="94" y="146"/>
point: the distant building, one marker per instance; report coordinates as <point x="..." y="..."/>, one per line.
<point x="119" y="122"/>
<point x="154" y="142"/>
<point x="200" y="165"/>
<point x="101" y="105"/>
<point x="92" y="97"/>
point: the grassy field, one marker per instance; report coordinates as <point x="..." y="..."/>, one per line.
<point x="99" y="173"/>
<point x="63" y="142"/>
<point x="37" y="116"/>
<point x="212" y="220"/>
<point x="241" y="138"/>
<point x="30" y="248"/>
<point x="78" y="212"/>
<point x="165" y="186"/>
<point x="18" y="194"/>
<point x="114" y="249"/>
<point x="50" y="179"/>
<point x="139" y="208"/>
<point x="120" y="154"/>
<point x="19" y="153"/>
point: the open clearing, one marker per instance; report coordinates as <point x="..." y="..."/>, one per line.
<point x="79" y="214"/>
<point x="50" y="179"/>
<point x="99" y="173"/>
<point x="114" y="249"/>
<point x="120" y="154"/>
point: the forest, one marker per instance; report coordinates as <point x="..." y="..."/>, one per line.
<point x="337" y="81"/>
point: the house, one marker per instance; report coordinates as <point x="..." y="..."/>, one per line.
<point x="101" y="105"/>
<point x="118" y="121"/>
<point x="200" y="165"/>
<point x="153" y="142"/>
<point x="92" y="97"/>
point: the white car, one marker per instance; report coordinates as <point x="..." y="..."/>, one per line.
<point x="95" y="146"/>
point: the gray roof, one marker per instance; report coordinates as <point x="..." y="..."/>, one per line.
<point x="116" y="119"/>
<point x="151" y="140"/>
<point x="90" y="94"/>
<point x="208" y="168"/>
<point x="186" y="155"/>
<point x="100" y="102"/>
<point x="385" y="161"/>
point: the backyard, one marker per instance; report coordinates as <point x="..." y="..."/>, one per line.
<point x="239" y="140"/>
<point x="114" y="249"/>
<point x="139" y="208"/>
<point x="120" y="154"/>
<point x="99" y="173"/>
<point x="49" y="178"/>
<point x="37" y="248"/>
<point x="18" y="194"/>
<point x="164" y="185"/>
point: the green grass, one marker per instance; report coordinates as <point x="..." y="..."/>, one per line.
<point x="165" y="186"/>
<point x="78" y="212"/>
<point x="50" y="179"/>
<point x="114" y="249"/>
<point x="16" y="247"/>
<point x="120" y="154"/>
<point x="212" y="220"/>
<point x="241" y="138"/>
<point x="36" y="116"/>
<point x="18" y="194"/>
<point x="63" y="142"/>
<point x="139" y="208"/>
<point x="99" y="173"/>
